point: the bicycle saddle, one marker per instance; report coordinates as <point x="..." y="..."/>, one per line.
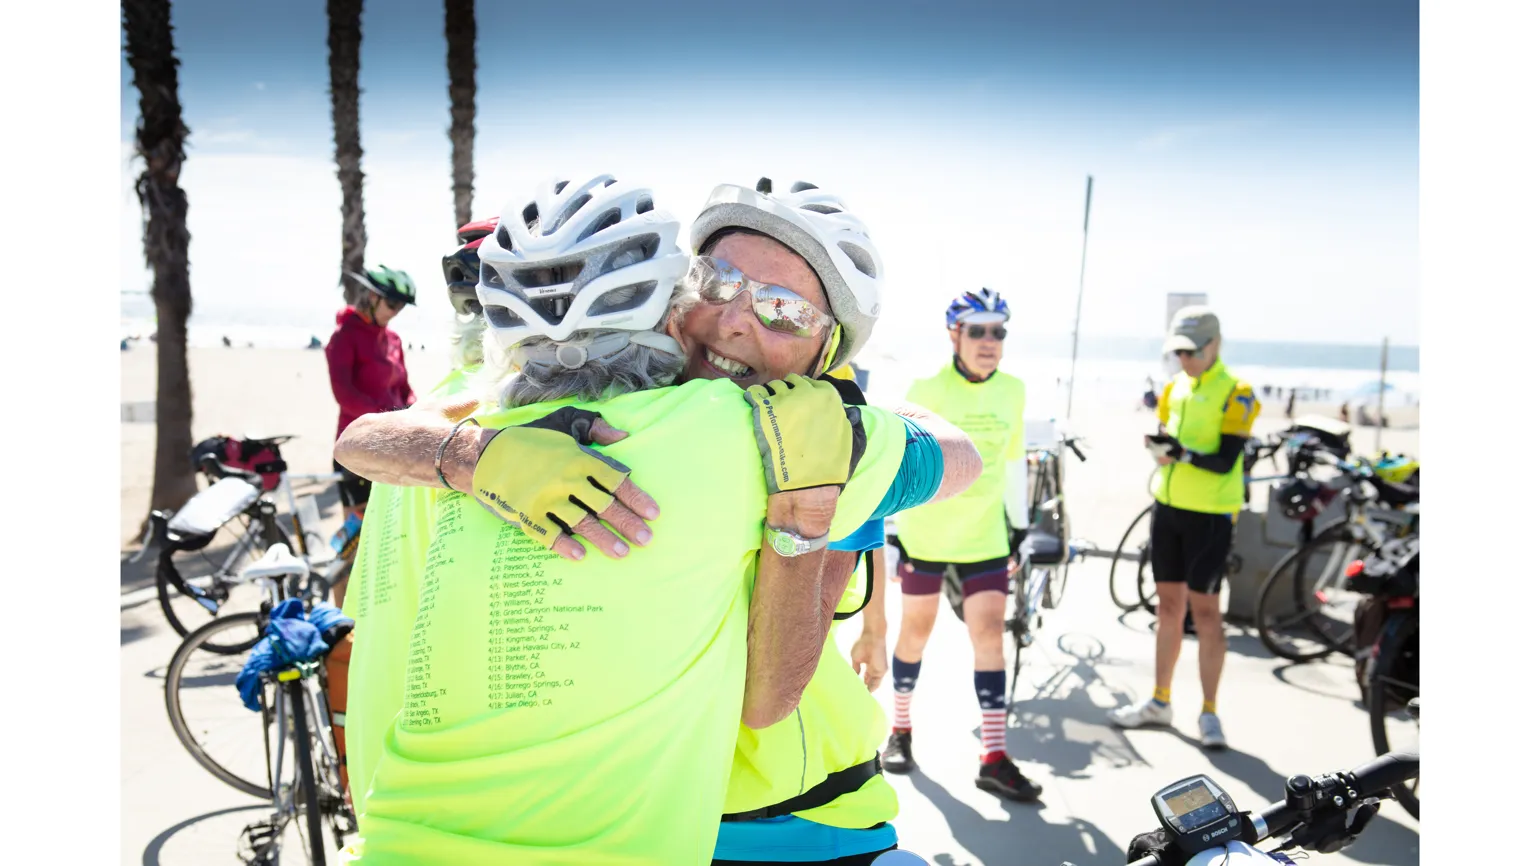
<point x="277" y="562"/>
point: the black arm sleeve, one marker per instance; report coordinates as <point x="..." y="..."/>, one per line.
<point x="1230" y="448"/>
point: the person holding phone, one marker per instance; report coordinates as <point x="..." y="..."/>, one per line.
<point x="1205" y="416"/>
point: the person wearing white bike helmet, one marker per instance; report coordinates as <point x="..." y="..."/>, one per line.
<point x="765" y="310"/>
<point x="969" y="534"/>
<point x="559" y="712"/>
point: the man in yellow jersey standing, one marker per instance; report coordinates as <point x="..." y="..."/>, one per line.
<point x="803" y="789"/>
<point x="969" y="533"/>
<point x="561" y="716"/>
<point x="1205" y="416"/>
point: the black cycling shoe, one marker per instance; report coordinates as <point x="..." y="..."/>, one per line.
<point x="897" y="756"/>
<point x="1002" y="777"/>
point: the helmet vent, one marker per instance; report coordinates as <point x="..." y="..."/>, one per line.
<point x="632" y="252"/>
<point x="643" y="205"/>
<point x="561" y="185"/>
<point x="801" y="185"/>
<point x="861" y="259"/>
<point x="501" y="317"/>
<point x="567" y="213"/>
<point x="821" y="208"/>
<point x="622" y="299"/>
<point x="610" y="218"/>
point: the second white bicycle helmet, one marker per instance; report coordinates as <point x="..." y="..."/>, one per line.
<point x="590" y="266"/>
<point x="818" y="227"/>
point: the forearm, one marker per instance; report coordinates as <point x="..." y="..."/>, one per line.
<point x="791" y="609"/>
<point x="399" y="447"/>
<point x="960" y="459"/>
<point x="1220" y="463"/>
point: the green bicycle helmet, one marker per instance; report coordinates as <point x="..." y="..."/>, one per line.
<point x="392" y="285"/>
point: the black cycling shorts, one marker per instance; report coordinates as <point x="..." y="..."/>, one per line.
<point x="353" y="490"/>
<point x="1190" y="546"/>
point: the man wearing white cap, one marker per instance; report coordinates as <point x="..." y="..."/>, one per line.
<point x="1205" y="418"/>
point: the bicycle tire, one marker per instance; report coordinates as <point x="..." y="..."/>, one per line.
<point x="1019" y="626"/>
<point x="174" y="680"/>
<point x="306" y="797"/>
<point x="1400" y="639"/>
<point x="168" y="587"/>
<point x="1282" y="581"/>
<point x="1117" y="556"/>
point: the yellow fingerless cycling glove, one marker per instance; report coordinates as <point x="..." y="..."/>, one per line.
<point x="542" y="476"/>
<point x="807" y="437"/>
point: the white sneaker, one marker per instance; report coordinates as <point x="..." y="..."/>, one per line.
<point x="1141" y="715"/>
<point x="1210" y="733"/>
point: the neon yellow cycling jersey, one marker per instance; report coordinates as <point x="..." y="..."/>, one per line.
<point x="382" y="601"/>
<point x="534" y="684"/>
<point x="969" y="527"/>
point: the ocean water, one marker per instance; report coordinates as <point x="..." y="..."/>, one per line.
<point x="1106" y="369"/>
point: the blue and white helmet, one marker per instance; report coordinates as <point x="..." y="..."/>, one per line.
<point x="983" y="307"/>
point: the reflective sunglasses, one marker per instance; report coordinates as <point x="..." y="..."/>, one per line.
<point x="1190" y="353"/>
<point x="977" y="332"/>
<point x="780" y="309"/>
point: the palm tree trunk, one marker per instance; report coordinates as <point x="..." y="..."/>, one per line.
<point x="460" y="33"/>
<point x="160" y="137"/>
<point x="344" y="35"/>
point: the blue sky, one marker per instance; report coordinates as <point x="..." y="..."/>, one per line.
<point x="1263" y="152"/>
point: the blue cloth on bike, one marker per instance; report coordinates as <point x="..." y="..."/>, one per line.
<point x="291" y="637"/>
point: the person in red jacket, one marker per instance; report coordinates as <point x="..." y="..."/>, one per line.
<point x="368" y="373"/>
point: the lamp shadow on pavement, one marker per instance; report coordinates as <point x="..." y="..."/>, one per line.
<point x="1058" y="723"/>
<point x="1007" y="843"/>
<point x="153" y="850"/>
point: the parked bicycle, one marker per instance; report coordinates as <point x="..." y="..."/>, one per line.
<point x="284" y="753"/>
<point x="194" y="585"/>
<point x="1041" y="573"/>
<point x="1304" y="611"/>
<point x="1386" y="662"/>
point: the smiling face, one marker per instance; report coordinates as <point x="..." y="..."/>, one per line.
<point x="728" y="341"/>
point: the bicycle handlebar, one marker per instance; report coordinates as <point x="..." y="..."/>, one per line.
<point x="1327" y="800"/>
<point x="1075" y="448"/>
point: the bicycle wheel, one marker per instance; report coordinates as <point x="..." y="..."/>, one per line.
<point x="1127" y="594"/>
<point x="1058" y="575"/>
<point x="228" y="740"/>
<point x="1019" y="625"/>
<point x="306" y="797"/>
<point x="1393" y="683"/>
<point x="213" y="577"/>
<point x="1303" y="613"/>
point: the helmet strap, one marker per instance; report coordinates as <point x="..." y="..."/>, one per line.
<point x="830" y="348"/>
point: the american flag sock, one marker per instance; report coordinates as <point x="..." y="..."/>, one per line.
<point x="990" y="687"/>
<point x="904" y="676"/>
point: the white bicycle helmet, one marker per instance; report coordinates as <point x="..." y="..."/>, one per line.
<point x="590" y="266"/>
<point x="817" y="225"/>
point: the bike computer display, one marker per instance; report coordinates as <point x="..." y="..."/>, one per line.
<point x="1198" y="814"/>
